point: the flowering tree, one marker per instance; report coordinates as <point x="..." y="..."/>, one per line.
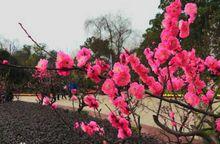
<point x="192" y="111"/>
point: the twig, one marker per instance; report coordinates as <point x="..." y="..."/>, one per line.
<point x="184" y="105"/>
<point x="34" y="41"/>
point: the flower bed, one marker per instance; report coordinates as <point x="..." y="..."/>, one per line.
<point x="32" y="123"/>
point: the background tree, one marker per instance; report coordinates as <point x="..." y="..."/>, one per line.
<point x="10" y="45"/>
<point x="204" y="33"/>
<point x="100" y="47"/>
<point x="29" y="55"/>
<point x="116" y="29"/>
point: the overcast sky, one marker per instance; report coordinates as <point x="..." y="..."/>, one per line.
<point x="60" y="23"/>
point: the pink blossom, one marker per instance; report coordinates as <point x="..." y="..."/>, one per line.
<point x="73" y="91"/>
<point x="192" y="99"/>
<point x="124" y="132"/>
<point x="113" y="119"/>
<point x="180" y="59"/>
<point x="174" y="9"/>
<point x="133" y="60"/>
<point x="94" y="125"/>
<point x="109" y="88"/>
<point x="184" y="29"/>
<point x="87" y="129"/>
<point x="173" y="123"/>
<point x="46" y="101"/>
<point x="91" y="101"/>
<point x="120" y="103"/>
<point x="103" y="65"/>
<point x="208" y="97"/>
<point x="172" y="114"/>
<point x="205" y="99"/>
<point x="91" y="128"/>
<point x="213" y="65"/>
<point x="110" y="73"/>
<point x="64" y="61"/>
<point x="118" y="67"/>
<point x="173" y="44"/>
<point x="217" y="123"/>
<point x="169" y="21"/>
<point x="199" y="84"/>
<point x="73" y="98"/>
<point x="162" y="54"/>
<point x="121" y="124"/>
<point x="156" y="88"/>
<point x="123" y="128"/>
<point x="191" y="10"/>
<point x="5" y="62"/>
<point x="124" y="95"/>
<point x="148" y="80"/>
<point x="65" y="87"/>
<point x="154" y="64"/>
<point x="93" y="73"/>
<point x="141" y="70"/>
<point x="101" y="131"/>
<point x="76" y="125"/>
<point x="42" y="65"/>
<point x="165" y="34"/>
<point x="176" y="84"/>
<point x="148" y="53"/>
<point x="121" y="74"/>
<point x="39" y="96"/>
<point x="83" y="56"/>
<point x="136" y="90"/>
<point x="210" y="94"/>
<point x="124" y="58"/>
<point x="54" y="106"/>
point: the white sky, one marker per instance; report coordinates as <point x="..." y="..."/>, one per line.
<point x="60" y="23"/>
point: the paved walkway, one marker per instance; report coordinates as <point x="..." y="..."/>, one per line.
<point x="146" y="115"/>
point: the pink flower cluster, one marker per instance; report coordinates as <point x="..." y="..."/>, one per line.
<point x="5" y="62"/>
<point x="109" y="88"/>
<point x="172" y="116"/>
<point x="47" y="101"/>
<point x="91" y="101"/>
<point x="217" y="122"/>
<point x="208" y="97"/>
<point x="170" y="68"/>
<point x="41" y="68"/>
<point x="154" y="86"/>
<point x="121" y="104"/>
<point x="121" y="124"/>
<point x="64" y="61"/>
<point x="103" y="65"/>
<point x="121" y="74"/>
<point x="90" y="128"/>
<point x="170" y="49"/>
<point x="93" y="72"/>
<point x="175" y="84"/>
<point x="83" y="56"/>
<point x="73" y="97"/>
<point x="213" y="65"/>
<point x="191" y="10"/>
<point x="136" y="90"/>
<point x="192" y="99"/>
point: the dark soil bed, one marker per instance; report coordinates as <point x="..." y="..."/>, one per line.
<point x="29" y="123"/>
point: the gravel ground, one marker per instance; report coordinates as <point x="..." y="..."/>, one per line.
<point x="30" y="123"/>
